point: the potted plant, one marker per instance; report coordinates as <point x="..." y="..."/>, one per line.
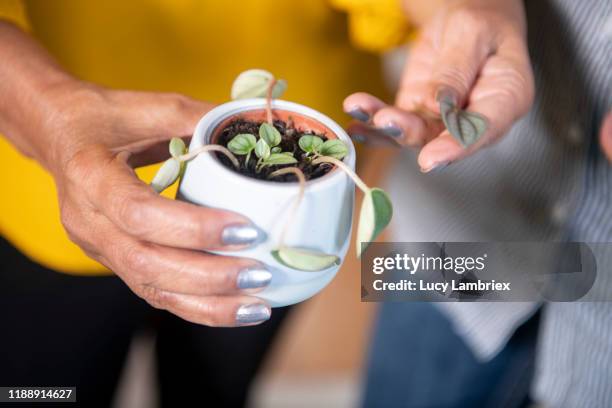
<point x="287" y="167"/>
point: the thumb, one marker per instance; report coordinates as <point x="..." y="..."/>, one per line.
<point x="605" y="136"/>
<point x="502" y="93"/>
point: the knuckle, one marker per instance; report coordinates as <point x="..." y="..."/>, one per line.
<point x="530" y="92"/>
<point x="519" y="89"/>
<point x="77" y="165"/>
<point x="455" y="76"/>
<point x="209" y="312"/>
<point x="67" y="219"/>
<point x="135" y="259"/>
<point x="131" y="214"/>
<point x="179" y="102"/>
<point x="229" y="280"/>
<point x="468" y="17"/>
<point x="157" y="298"/>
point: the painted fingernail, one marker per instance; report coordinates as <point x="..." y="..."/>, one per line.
<point x="393" y="130"/>
<point x="436" y="167"/>
<point x="359" y="114"/>
<point x="447" y="95"/>
<point x="243" y="234"/>
<point x="252" y="314"/>
<point x="359" y="138"/>
<point x="253" y="278"/>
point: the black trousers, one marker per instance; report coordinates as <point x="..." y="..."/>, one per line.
<point x="61" y="330"/>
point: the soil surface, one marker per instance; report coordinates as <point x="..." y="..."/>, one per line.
<point x="289" y="143"/>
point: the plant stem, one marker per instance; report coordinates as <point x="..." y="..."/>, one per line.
<point x="210" y="148"/>
<point x="302" y="180"/>
<point x="342" y="166"/>
<point x="269" y="101"/>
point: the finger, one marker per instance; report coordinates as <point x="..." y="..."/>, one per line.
<point x="156" y="153"/>
<point x="154" y="267"/>
<point x="134" y="207"/>
<point x="219" y="311"/>
<point x="371" y="136"/>
<point x="605" y="137"/>
<point x="459" y="54"/>
<point x="362" y="106"/>
<point x="502" y="94"/>
<point x="407" y="128"/>
<point x="160" y="116"/>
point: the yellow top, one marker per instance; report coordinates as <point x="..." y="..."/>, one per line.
<point x="195" y="47"/>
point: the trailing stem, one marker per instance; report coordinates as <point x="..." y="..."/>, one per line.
<point x="210" y="148"/>
<point x="269" y="101"/>
<point x="340" y="164"/>
<point x="302" y="181"/>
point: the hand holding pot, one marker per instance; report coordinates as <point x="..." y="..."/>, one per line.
<point x="90" y="139"/>
<point x="472" y="56"/>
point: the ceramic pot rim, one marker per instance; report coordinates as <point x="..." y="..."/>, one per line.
<point x="208" y="125"/>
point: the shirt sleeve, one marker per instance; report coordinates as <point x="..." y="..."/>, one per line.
<point x="376" y="25"/>
<point x="14" y="11"/>
<point x="486" y="327"/>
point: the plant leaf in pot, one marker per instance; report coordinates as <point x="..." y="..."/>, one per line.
<point x="305" y="260"/>
<point x="167" y="175"/>
<point x="254" y="83"/>
<point x="375" y="215"/>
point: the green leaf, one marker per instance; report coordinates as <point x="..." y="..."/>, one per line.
<point x="262" y="150"/>
<point x="276" y="149"/>
<point x="167" y="174"/>
<point x="465" y="126"/>
<point x="276" y="159"/>
<point x="310" y="143"/>
<point x="177" y="147"/>
<point x="375" y="215"/>
<point x="333" y="148"/>
<point x="304" y="259"/>
<point x="242" y="144"/>
<point x="254" y="83"/>
<point x="279" y="88"/>
<point x="269" y="133"/>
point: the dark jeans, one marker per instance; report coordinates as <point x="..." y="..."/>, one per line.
<point x="417" y="361"/>
<point x="60" y="330"/>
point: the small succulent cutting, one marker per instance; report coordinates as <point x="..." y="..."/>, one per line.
<point x="465" y="126"/>
<point x="264" y="150"/>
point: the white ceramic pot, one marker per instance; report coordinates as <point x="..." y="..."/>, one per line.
<point x="324" y="218"/>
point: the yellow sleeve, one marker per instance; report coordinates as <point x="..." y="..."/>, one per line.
<point x="376" y="25"/>
<point x="14" y="11"/>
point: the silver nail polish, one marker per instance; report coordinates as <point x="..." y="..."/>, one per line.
<point x="359" y="114"/>
<point x="253" y="278"/>
<point x="436" y="168"/>
<point x="252" y="314"/>
<point x="393" y="131"/>
<point x="359" y="138"/>
<point x="447" y="96"/>
<point x="243" y="234"/>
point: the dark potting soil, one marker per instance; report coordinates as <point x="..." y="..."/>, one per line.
<point x="289" y="143"/>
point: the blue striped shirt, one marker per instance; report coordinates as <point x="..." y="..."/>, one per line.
<point x="546" y="180"/>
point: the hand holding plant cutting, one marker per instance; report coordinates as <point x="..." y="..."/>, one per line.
<point x="469" y="72"/>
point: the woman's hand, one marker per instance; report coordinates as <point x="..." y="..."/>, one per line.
<point x="472" y="53"/>
<point x="89" y="139"/>
<point x="605" y="136"/>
